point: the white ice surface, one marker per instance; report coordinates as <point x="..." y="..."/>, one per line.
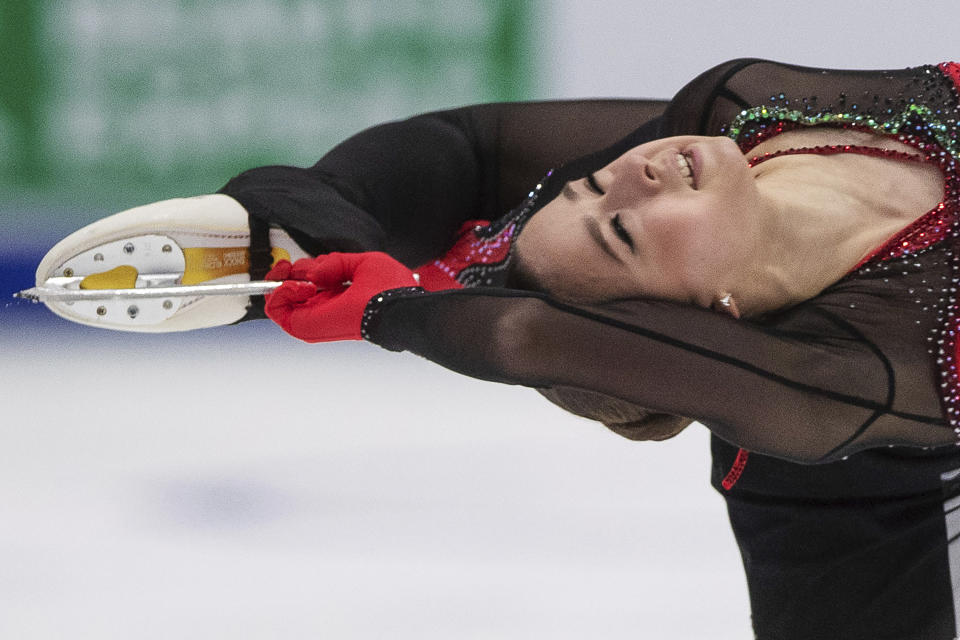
<point x="238" y="484"/>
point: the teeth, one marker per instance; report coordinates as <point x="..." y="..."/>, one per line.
<point x="686" y="170"/>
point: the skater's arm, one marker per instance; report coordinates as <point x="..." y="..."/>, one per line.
<point x="405" y="187"/>
<point x="811" y="388"/>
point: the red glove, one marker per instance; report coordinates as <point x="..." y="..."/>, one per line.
<point x="315" y="304"/>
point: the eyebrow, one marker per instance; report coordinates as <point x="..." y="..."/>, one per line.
<point x="593" y="228"/>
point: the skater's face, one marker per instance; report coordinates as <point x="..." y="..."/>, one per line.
<point x="671" y="219"/>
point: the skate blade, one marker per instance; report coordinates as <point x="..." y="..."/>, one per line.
<point x="150" y="283"/>
<point x="59" y="290"/>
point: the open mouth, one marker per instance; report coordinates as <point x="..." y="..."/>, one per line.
<point x="686" y="169"/>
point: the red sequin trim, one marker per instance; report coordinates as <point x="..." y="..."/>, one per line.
<point x="739" y="464"/>
<point x="470" y="249"/>
<point x="952" y="71"/>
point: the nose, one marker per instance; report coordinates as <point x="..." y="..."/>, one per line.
<point x="633" y="175"/>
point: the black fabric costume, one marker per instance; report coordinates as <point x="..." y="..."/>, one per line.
<point x="848" y="549"/>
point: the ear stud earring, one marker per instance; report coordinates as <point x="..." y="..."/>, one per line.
<point x="725" y="303"/>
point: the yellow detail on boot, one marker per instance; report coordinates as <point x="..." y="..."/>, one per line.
<point x="208" y="263"/>
<point x="122" y="277"/>
<point x="279" y="254"/>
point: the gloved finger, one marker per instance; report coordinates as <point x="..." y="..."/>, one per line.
<point x="290" y="293"/>
<point x="281" y="304"/>
<point x="303" y="268"/>
<point x="280" y="271"/>
<point x="328" y="271"/>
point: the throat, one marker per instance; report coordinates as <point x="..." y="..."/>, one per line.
<point x="831" y="210"/>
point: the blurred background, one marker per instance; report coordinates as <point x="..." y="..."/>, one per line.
<point x="237" y="484"/>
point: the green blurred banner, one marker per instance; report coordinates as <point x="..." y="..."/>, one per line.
<point x="108" y="101"/>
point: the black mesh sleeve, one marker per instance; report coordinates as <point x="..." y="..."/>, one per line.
<point x="405" y="187"/>
<point x="809" y="385"/>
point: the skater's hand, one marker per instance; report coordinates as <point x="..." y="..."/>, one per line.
<point x="324" y="297"/>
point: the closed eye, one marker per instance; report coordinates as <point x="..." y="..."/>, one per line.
<point x="594" y="185"/>
<point x="621" y="232"/>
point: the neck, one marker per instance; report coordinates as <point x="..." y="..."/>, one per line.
<point x="824" y="215"/>
<point x="780" y="274"/>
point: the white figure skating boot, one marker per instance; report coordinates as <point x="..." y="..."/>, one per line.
<point x="173" y="265"/>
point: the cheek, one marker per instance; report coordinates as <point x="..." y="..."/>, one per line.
<point x="686" y="254"/>
<point x="669" y="237"/>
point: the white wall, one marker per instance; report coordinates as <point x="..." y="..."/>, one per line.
<point x="650" y="49"/>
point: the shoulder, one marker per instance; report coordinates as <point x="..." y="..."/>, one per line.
<point x="692" y="104"/>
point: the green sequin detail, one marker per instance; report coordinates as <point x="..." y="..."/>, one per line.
<point x="745" y="122"/>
